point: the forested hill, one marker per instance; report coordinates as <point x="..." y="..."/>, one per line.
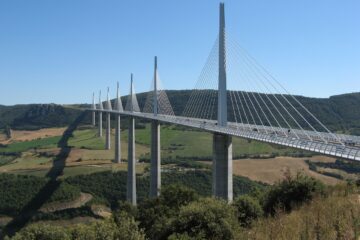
<point x="36" y="116"/>
<point x="339" y="113"/>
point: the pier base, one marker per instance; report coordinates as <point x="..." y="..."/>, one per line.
<point x="222" y="167"/>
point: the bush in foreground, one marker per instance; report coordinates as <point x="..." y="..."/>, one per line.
<point x="125" y="229"/>
<point x="292" y="192"/>
<point x="248" y="209"/>
<point x="207" y="218"/>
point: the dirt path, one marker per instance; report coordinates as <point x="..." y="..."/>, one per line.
<point x="56" y="206"/>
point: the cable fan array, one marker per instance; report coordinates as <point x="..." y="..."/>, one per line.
<point x="163" y="104"/>
<point x="257" y="100"/>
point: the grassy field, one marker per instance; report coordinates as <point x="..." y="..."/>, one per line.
<point x="274" y="169"/>
<point x="49" y="142"/>
<point x="22" y="135"/>
<point x="88" y="155"/>
<point x="199" y="144"/>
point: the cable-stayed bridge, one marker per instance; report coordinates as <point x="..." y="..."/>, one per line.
<point x="262" y="110"/>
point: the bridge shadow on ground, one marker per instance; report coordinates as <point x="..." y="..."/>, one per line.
<point x="32" y="207"/>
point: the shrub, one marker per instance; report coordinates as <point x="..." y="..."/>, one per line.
<point x="156" y="215"/>
<point x="125" y="228"/>
<point x="207" y="218"/>
<point x="248" y="209"/>
<point x="42" y="231"/>
<point x="291" y="192"/>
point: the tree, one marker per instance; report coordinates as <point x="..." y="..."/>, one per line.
<point x="248" y="209"/>
<point x="292" y="192"/>
<point x="124" y="228"/>
<point x="207" y="218"/>
<point x="156" y="215"/>
<point x="42" y="232"/>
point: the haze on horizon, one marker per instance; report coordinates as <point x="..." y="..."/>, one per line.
<point x="61" y="51"/>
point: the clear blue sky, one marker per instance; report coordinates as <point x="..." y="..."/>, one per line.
<point x="62" y="50"/>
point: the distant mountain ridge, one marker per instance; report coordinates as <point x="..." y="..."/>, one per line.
<point x="339" y="113"/>
<point x="36" y="116"/>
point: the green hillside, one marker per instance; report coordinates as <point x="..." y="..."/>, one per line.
<point x="36" y="116"/>
<point x="339" y="113"/>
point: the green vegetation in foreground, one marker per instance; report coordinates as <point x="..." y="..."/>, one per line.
<point x="17" y="191"/>
<point x="110" y="187"/>
<point x="106" y="187"/>
<point x="313" y="211"/>
<point x="18" y="147"/>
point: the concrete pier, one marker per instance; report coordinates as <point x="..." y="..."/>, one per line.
<point x="222" y="144"/>
<point x="117" y="140"/>
<point x="100" y="115"/>
<point x="100" y="124"/>
<point x="155" y="165"/>
<point x="93" y="112"/>
<point x="131" y="174"/>
<point x="108" y="132"/>
<point x="222" y="167"/>
<point x="93" y="122"/>
<point x="119" y="108"/>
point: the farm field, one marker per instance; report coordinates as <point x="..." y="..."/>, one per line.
<point x="273" y="170"/>
<point x="87" y="154"/>
<point x="23" y="135"/>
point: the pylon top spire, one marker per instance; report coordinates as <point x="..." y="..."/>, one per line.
<point x="93" y="101"/>
<point x="108" y="102"/>
<point x="222" y="95"/>
<point x="132" y="103"/>
<point x="118" y="105"/>
<point x="100" y="102"/>
<point x="155" y="87"/>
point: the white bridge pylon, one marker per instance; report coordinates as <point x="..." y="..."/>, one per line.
<point x="266" y="113"/>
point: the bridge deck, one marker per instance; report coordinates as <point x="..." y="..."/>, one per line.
<point x="325" y="143"/>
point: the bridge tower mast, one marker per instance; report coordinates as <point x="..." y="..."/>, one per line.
<point x="155" y="168"/>
<point x="222" y="144"/>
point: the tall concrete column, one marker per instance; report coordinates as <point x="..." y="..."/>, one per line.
<point x="93" y="118"/>
<point x="119" y="108"/>
<point x="222" y="166"/>
<point x="108" y="121"/>
<point x="155" y="162"/>
<point x="117" y="140"/>
<point x="100" y="115"/>
<point x="222" y="144"/>
<point x="108" y="132"/>
<point x="155" y="167"/>
<point x="131" y="175"/>
<point x="93" y="112"/>
<point x="100" y="124"/>
<point x="222" y="95"/>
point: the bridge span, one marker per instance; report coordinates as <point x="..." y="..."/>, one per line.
<point x="278" y="119"/>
